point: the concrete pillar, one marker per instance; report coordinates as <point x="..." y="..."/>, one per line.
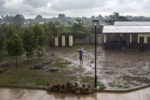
<point x="56" y="41"/>
<point x="121" y="35"/>
<point x="105" y="38"/>
<point x="63" y="40"/>
<point x="70" y="40"/>
<point x="130" y="38"/>
<point x="138" y="38"/>
<point x="145" y="39"/>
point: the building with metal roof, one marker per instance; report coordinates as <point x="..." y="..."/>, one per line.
<point x="132" y="23"/>
<point x="127" y="34"/>
<point x="126" y="29"/>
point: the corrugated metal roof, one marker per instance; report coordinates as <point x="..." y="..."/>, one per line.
<point x="126" y="29"/>
<point x="131" y="23"/>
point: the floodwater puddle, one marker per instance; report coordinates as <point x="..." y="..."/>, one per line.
<point x="113" y="66"/>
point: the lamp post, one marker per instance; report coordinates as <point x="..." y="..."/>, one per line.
<point x="95" y="23"/>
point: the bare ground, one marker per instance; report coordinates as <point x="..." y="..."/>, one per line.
<point x="115" y="68"/>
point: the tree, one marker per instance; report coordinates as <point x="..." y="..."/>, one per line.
<point x="116" y="17"/>
<point x="18" y="19"/>
<point x="2" y="38"/>
<point x="10" y="31"/>
<point x="40" y="36"/>
<point x="38" y="18"/>
<point x="7" y="19"/>
<point x="15" y="46"/>
<point x="28" y="41"/>
<point x="50" y="30"/>
<point x="79" y="31"/>
<point x="2" y="42"/>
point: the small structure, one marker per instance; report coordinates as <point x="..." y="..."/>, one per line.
<point x="134" y="35"/>
<point x="64" y="40"/>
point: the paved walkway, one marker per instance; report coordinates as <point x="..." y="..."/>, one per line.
<point x="26" y="94"/>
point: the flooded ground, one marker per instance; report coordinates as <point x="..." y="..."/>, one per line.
<point x="27" y="94"/>
<point x="115" y="68"/>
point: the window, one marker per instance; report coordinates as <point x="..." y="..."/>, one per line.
<point x="148" y="39"/>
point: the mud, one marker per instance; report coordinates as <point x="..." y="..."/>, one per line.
<point x="124" y="69"/>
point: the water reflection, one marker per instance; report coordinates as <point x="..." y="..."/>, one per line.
<point x="59" y="96"/>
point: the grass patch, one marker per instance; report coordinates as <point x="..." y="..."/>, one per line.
<point x="117" y="85"/>
<point x="89" y="80"/>
<point x="42" y="82"/>
<point x="60" y="63"/>
<point x="101" y="86"/>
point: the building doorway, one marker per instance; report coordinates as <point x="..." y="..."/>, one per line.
<point x="141" y="40"/>
<point x="67" y="41"/>
<point x="60" y="41"/>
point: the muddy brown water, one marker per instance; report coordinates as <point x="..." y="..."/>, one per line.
<point x="27" y="94"/>
<point x="115" y="68"/>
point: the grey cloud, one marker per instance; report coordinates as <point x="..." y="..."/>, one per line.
<point x="37" y="3"/>
<point x="76" y="4"/>
<point x="75" y="7"/>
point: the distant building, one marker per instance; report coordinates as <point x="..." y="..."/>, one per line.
<point x="134" y="35"/>
<point x="64" y="40"/>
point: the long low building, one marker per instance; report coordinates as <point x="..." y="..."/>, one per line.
<point x="127" y="35"/>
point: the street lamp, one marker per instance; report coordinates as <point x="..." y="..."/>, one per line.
<point x="95" y="23"/>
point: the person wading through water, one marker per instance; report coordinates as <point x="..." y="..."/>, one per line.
<point x="81" y="51"/>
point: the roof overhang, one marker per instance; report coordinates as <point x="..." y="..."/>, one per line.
<point x="126" y="29"/>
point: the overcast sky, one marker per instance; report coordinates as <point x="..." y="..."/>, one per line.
<point x="79" y="8"/>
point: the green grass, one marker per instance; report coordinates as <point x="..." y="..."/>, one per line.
<point x="101" y="85"/>
<point x="24" y="76"/>
<point x="117" y="85"/>
<point x="60" y="63"/>
<point x="40" y="82"/>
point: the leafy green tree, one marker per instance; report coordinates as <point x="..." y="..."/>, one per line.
<point x="79" y="31"/>
<point x="2" y="42"/>
<point x="2" y="38"/>
<point x="50" y="30"/>
<point x="116" y="17"/>
<point x="28" y="42"/>
<point x="40" y="37"/>
<point x="15" y="46"/>
<point x="10" y="31"/>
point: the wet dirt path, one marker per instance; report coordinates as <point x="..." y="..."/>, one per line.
<point x="27" y="94"/>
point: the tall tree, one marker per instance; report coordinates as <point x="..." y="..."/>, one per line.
<point x="79" y="31"/>
<point x="10" y="31"/>
<point x="50" y="30"/>
<point x="2" y="41"/>
<point x="18" y="19"/>
<point x="15" y="46"/>
<point x="2" y="37"/>
<point x="40" y="36"/>
<point x="38" y="18"/>
<point x="116" y="17"/>
<point x="28" y="41"/>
